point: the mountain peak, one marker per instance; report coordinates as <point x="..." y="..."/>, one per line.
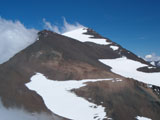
<point x="104" y="70"/>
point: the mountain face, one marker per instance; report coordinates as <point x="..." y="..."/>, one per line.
<point x="80" y="75"/>
<point x="155" y="63"/>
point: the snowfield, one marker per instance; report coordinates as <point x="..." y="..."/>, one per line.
<point x="128" y="68"/>
<point x="78" y="35"/>
<point x="60" y="100"/>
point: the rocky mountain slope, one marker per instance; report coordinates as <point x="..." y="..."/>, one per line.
<point x="49" y="75"/>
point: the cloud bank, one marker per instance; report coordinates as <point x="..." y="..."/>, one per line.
<point x="14" y="37"/>
<point x="61" y="29"/>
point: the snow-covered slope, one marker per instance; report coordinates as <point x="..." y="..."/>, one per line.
<point x="122" y="65"/>
<point x="128" y="68"/>
<point x="59" y="99"/>
<point x="78" y="34"/>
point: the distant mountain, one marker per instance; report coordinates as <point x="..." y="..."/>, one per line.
<point x="79" y="75"/>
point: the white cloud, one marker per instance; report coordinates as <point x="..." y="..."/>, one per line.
<point x="61" y="29"/>
<point x="69" y="27"/>
<point x="14" y="37"/>
<point x="152" y="57"/>
<point x="51" y="27"/>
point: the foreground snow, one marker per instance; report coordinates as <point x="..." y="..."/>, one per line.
<point x="59" y="99"/>
<point x="142" y="118"/>
<point x="78" y="35"/>
<point x="128" y="68"/>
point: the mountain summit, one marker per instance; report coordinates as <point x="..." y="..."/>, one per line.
<point x="79" y="75"/>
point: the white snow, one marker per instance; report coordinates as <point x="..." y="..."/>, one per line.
<point x="60" y="100"/>
<point x="116" y="80"/>
<point x="142" y="118"/>
<point x="150" y="67"/>
<point x="153" y="63"/>
<point x="78" y="35"/>
<point x="114" y="47"/>
<point x="128" y="68"/>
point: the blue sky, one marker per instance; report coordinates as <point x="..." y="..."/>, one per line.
<point x="134" y="24"/>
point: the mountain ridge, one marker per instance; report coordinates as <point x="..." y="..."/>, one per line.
<point x="62" y="58"/>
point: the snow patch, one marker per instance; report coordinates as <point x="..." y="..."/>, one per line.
<point x="116" y="80"/>
<point x="150" y="67"/>
<point x="114" y="47"/>
<point x="78" y="35"/>
<point x="128" y="68"/>
<point x="142" y="118"/>
<point x="153" y="63"/>
<point x="60" y="100"/>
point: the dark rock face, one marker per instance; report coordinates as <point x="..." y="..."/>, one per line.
<point x="62" y="58"/>
<point x="149" y="70"/>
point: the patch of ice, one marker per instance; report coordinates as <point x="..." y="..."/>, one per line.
<point x="78" y="35"/>
<point x="114" y="47"/>
<point x="142" y="118"/>
<point x="60" y="100"/>
<point x="128" y="68"/>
